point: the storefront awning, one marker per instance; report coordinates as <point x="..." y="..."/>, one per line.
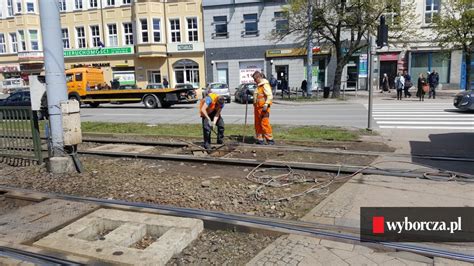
<point x="294" y="52"/>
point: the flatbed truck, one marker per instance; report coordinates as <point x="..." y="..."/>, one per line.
<point x="87" y="85"/>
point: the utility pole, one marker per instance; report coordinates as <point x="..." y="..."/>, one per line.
<point x="54" y="67"/>
<point x="370" y="76"/>
<point x="309" y="48"/>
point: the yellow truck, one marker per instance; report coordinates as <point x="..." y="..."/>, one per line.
<point x="87" y="85"/>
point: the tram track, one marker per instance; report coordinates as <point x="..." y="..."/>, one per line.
<point x="245" y="223"/>
<point x="180" y="144"/>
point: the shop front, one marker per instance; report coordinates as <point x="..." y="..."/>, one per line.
<point x="186" y="64"/>
<point x="389" y="66"/>
<point x="10" y="71"/>
<point x="421" y="62"/>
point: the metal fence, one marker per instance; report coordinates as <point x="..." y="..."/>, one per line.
<point x="19" y="133"/>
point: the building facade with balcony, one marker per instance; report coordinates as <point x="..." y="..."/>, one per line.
<point x="134" y="41"/>
<point x="239" y="40"/>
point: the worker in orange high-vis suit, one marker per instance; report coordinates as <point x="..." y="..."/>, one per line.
<point x="262" y="100"/>
<point x="210" y="110"/>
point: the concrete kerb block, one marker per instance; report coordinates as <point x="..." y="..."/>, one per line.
<point x="111" y="235"/>
<point x="61" y="165"/>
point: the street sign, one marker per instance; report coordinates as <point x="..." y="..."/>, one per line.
<point x="99" y="51"/>
<point x="363" y="71"/>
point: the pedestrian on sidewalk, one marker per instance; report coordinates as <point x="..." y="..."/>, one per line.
<point x="304" y="88"/>
<point x="399" y="85"/>
<point x="273" y="84"/>
<point x="262" y="101"/>
<point x="408" y="84"/>
<point x="210" y="110"/>
<point x="433" y="80"/>
<point x="385" y="83"/>
<point x="421" y="87"/>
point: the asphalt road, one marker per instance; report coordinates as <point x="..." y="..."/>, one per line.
<point x="337" y="114"/>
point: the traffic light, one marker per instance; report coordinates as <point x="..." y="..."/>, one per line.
<point x="382" y="33"/>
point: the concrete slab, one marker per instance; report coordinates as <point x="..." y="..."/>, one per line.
<point x="122" y="148"/>
<point x="6" y="261"/>
<point x="33" y="221"/>
<point x="113" y="236"/>
<point x="343" y="206"/>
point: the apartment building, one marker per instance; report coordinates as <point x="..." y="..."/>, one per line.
<point x="419" y="54"/>
<point x="134" y="41"/>
<point x="239" y="40"/>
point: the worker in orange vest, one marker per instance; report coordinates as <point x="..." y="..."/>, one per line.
<point x="262" y="100"/>
<point x="210" y="109"/>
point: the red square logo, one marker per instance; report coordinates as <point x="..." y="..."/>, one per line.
<point x="378" y="224"/>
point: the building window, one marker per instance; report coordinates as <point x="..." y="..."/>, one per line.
<point x="30" y="7"/>
<point x="78" y="4"/>
<point x="34" y="40"/>
<point x="19" y="7"/>
<point x="432" y="8"/>
<point x="93" y="3"/>
<point x="251" y="24"/>
<point x="65" y="37"/>
<point x="111" y="2"/>
<point x="192" y="29"/>
<point x="3" y="46"/>
<point x="154" y="76"/>
<point x="156" y="30"/>
<point x="62" y="5"/>
<point x="175" y="30"/>
<point x="10" y="8"/>
<point x="126" y="2"/>
<point x="14" y="42"/>
<point x="22" y="40"/>
<point x="80" y="37"/>
<point x="186" y="71"/>
<point x="128" y="33"/>
<point x="281" y="22"/>
<point x="113" y="39"/>
<point x="220" y="23"/>
<point x="144" y="30"/>
<point x="95" y="36"/>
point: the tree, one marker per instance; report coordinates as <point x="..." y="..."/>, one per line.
<point x="344" y="24"/>
<point x="454" y="28"/>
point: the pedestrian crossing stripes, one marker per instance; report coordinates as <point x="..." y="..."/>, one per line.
<point x="417" y="115"/>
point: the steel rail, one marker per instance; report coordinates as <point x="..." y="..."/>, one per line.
<point x="36" y="258"/>
<point x="253" y="222"/>
<point x="344" y="169"/>
<point x="293" y="148"/>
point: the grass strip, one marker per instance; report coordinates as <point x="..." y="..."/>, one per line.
<point x="280" y="132"/>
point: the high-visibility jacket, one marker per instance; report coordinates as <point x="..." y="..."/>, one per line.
<point x="263" y="94"/>
<point x="213" y="106"/>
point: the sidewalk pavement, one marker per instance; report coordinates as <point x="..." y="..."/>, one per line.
<point x="342" y="208"/>
<point x="362" y="97"/>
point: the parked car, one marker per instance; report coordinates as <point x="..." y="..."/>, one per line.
<point x="128" y="87"/>
<point x="241" y="95"/>
<point x="152" y="86"/>
<point x="23" y="98"/>
<point x="464" y="100"/>
<point x="219" y="88"/>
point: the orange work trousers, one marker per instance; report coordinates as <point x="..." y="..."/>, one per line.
<point x="263" y="129"/>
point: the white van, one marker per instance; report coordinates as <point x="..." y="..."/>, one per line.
<point x="12" y="85"/>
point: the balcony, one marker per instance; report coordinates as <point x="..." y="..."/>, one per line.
<point x="30" y="56"/>
<point x="151" y="50"/>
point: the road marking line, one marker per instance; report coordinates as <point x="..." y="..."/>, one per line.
<point x="426" y="123"/>
<point x="427" y="115"/>
<point x="398" y="112"/>
<point x="424" y="127"/>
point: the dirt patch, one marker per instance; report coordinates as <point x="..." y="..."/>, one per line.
<point x="297" y="156"/>
<point x="222" y="248"/>
<point x="193" y="185"/>
<point x="8" y="204"/>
